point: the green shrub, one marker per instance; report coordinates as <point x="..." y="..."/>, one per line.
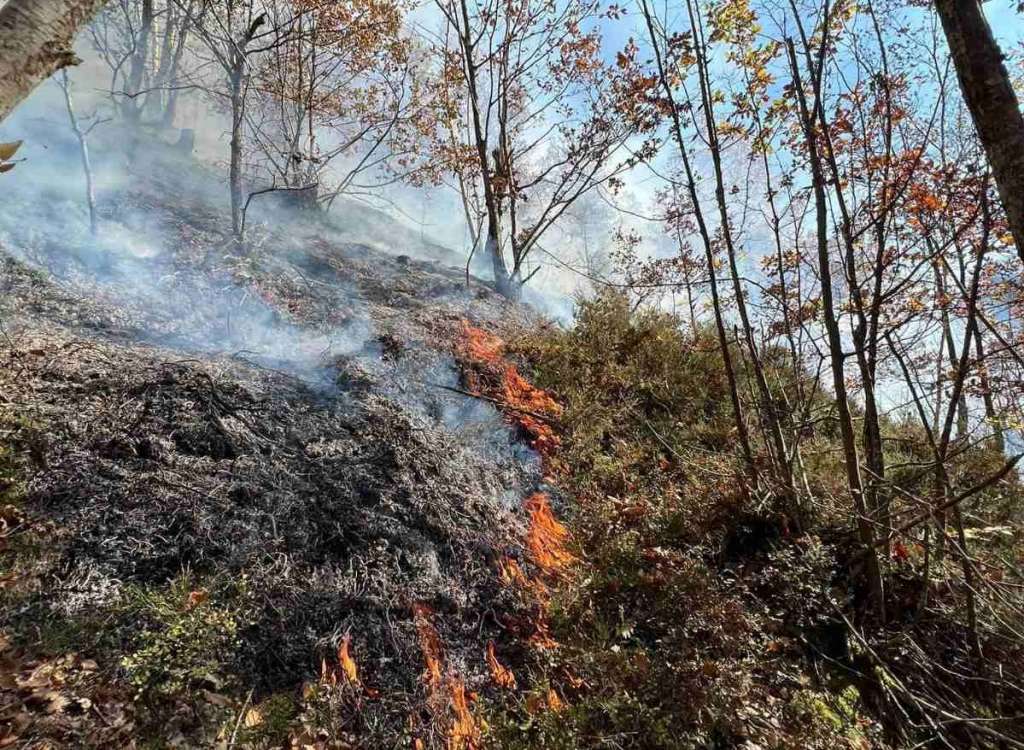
<point x="187" y="644"/>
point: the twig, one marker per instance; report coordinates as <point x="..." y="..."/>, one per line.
<point x="241" y="715"/>
<point x="987" y="482"/>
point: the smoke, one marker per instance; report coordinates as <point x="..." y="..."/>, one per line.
<point x="164" y="272"/>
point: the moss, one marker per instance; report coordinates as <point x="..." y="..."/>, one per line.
<point x="834" y="712"/>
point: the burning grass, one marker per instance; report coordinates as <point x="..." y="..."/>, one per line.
<point x="154" y="461"/>
<point x="501" y="674"/>
<point x="447" y="697"/>
<point x="489" y="374"/>
<point x="547" y="537"/>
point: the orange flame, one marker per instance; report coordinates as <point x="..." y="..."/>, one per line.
<point x="555" y="703"/>
<point x="501" y="674"/>
<point x="430" y="644"/>
<point x="549" y="701"/>
<point x="464" y="733"/>
<point x="346" y="662"/>
<point x="511" y="574"/>
<point x="481" y="346"/>
<point x="546" y="537"/>
<point x="524" y="404"/>
<point x="541" y="638"/>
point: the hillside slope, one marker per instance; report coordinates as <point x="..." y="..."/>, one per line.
<point x="225" y="465"/>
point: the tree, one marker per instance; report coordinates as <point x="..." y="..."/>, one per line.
<point x="144" y="45"/>
<point x="661" y="47"/>
<point x="234" y="35"/>
<point x="339" y="95"/>
<point x="809" y="120"/>
<point x="991" y="100"/>
<point x="35" y="42"/>
<point x="82" y="133"/>
<point x="542" y="116"/>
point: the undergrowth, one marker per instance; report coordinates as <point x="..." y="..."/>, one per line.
<point x="662" y="641"/>
<point x="697" y="615"/>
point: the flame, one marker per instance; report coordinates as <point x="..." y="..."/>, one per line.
<point x="555" y="703"/>
<point x="346" y="662"/>
<point x="463" y="733"/>
<point x="546" y="537"/>
<point x="541" y="638"/>
<point x="549" y="701"/>
<point x="430" y="644"/>
<point x="481" y="346"/>
<point x="523" y="404"/>
<point x="501" y="674"/>
<point x="511" y="574"/>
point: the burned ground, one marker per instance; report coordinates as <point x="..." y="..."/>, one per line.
<point x="275" y="426"/>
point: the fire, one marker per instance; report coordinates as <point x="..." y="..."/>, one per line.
<point x="481" y="346"/>
<point x="430" y="644"/>
<point x="530" y="408"/>
<point x="548" y="701"/>
<point x="345" y="671"/>
<point x="348" y="665"/>
<point x="501" y="674"/>
<point x="463" y="733"/>
<point x="512" y="574"/>
<point x="555" y="703"/>
<point x="536" y="413"/>
<point x="541" y="638"/>
<point x="546" y="537"/>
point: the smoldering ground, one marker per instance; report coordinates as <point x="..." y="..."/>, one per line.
<point x="269" y="418"/>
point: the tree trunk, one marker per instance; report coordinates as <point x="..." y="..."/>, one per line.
<point x="835" y="348"/>
<point x="769" y="410"/>
<point x="83" y="146"/>
<point x="742" y="433"/>
<point x="35" y="42"/>
<point x="235" y="177"/>
<point x="131" y="107"/>
<point x="504" y="282"/>
<point x="992" y="102"/>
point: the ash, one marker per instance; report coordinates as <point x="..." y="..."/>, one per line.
<point x="274" y="415"/>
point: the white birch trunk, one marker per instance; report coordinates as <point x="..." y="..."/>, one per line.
<point x="35" y="42"/>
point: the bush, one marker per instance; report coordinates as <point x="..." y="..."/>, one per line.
<point x="187" y="644"/>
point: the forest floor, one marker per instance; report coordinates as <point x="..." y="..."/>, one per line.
<point x="225" y="466"/>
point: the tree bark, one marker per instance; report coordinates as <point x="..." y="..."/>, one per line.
<point x="133" y="109"/>
<point x="992" y="102"/>
<point x="503" y="281"/>
<point x="235" y="170"/>
<point x="83" y="148"/>
<point x="35" y="42"/>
